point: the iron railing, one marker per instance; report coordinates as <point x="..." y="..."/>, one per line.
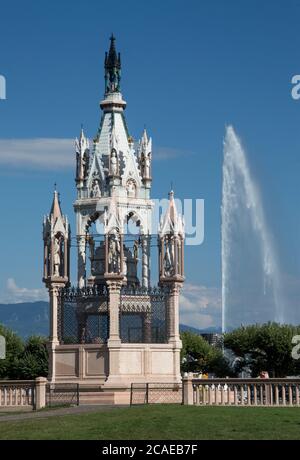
<point x="62" y="394"/>
<point x="156" y="393"/>
<point x="143" y="315"/>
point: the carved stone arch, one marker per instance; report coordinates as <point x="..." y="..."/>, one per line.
<point x="133" y="215"/>
<point x="91" y="220"/>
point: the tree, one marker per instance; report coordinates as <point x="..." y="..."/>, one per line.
<point x="197" y="355"/>
<point x="14" y="349"/>
<point x="34" y="360"/>
<point x="24" y="360"/>
<point x="265" y="347"/>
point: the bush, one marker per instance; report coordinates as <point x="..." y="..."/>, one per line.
<point x="24" y="360"/>
<point x="197" y="355"/>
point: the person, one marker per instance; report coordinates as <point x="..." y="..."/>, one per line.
<point x="264" y="375"/>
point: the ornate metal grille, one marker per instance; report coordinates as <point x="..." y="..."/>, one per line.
<point x="155" y="393"/>
<point x="62" y="394"/>
<point x="143" y="316"/>
<point x="83" y="315"/>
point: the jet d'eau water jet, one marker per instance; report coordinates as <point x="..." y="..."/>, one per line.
<point x="251" y="290"/>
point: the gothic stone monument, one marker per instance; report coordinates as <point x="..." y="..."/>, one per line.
<point x="113" y="328"/>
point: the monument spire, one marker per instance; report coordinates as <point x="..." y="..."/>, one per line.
<point x="112" y="67"/>
<point x="55" y="208"/>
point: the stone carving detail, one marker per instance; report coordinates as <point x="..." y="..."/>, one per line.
<point x="95" y="193"/>
<point x="131" y="188"/>
<point x="113" y="163"/>
<point x="56" y="256"/>
<point x="169" y="257"/>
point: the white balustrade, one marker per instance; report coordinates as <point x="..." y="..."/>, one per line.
<point x="242" y="392"/>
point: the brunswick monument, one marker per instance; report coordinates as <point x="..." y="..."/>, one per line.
<point x="114" y="328"/>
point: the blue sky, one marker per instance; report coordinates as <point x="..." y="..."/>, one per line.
<point x="189" y="69"/>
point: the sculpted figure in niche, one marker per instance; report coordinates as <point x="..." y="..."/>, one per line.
<point x="130" y="188"/>
<point x="56" y="256"/>
<point x="114" y="254"/>
<point x="169" y="258"/>
<point x="96" y="193"/>
<point x="113" y="163"/>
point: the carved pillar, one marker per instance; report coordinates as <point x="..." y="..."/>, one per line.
<point x="173" y="312"/>
<point x="114" y="288"/>
<point x="53" y="293"/>
<point x="114" y="342"/>
<point x="182" y="257"/>
<point x="145" y="261"/>
<point x="45" y="259"/>
<point x="53" y="339"/>
<point x="66" y="258"/>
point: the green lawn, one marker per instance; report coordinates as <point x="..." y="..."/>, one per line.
<point x="163" y="422"/>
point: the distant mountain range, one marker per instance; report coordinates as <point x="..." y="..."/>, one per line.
<point x="28" y="318"/>
<point x="32" y="318"/>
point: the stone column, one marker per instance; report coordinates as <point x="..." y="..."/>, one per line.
<point x="114" y="341"/>
<point x="54" y="333"/>
<point x="114" y="287"/>
<point x="145" y="261"/>
<point x="173" y="311"/>
<point x="40" y="392"/>
<point x="53" y="294"/>
<point x="46" y="274"/>
<point x="173" y="325"/>
<point x="188" y="396"/>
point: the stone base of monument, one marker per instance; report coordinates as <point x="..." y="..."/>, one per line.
<point x="105" y="375"/>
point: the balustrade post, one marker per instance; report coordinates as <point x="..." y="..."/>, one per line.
<point x="188" y="391"/>
<point x="283" y="395"/>
<point x="222" y="395"/>
<point x="255" y="394"/>
<point x="236" y="402"/>
<point x="297" y="394"/>
<point x="276" y="395"/>
<point x="197" y="399"/>
<point x="242" y="394"/>
<point x="290" y="394"/>
<point x="40" y="392"/>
